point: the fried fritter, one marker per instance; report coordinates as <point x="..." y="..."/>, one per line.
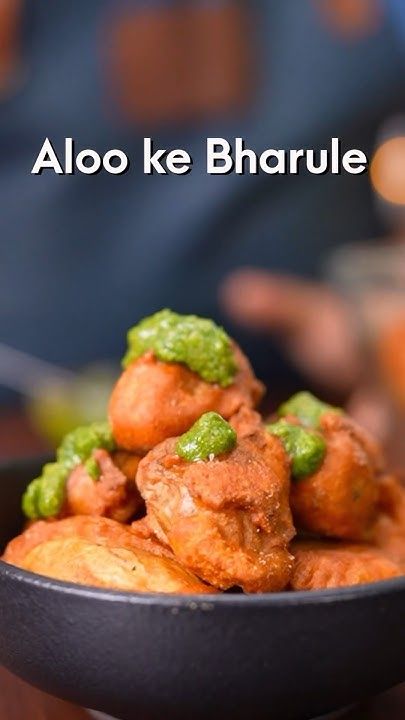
<point x="148" y="539"/>
<point x="95" y="530"/>
<point x="246" y="422"/>
<point x="114" y="494"/>
<point x="154" y="400"/>
<point x="79" y="561"/>
<point x="326" y="564"/>
<point x="340" y="499"/>
<point x="228" y="518"/>
<point x="389" y="534"/>
<point x="126" y="462"/>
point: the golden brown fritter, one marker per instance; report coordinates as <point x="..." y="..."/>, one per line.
<point x="148" y="539"/>
<point x="113" y="494"/>
<point x="227" y="519"/>
<point x="326" y="564"/>
<point x="153" y="400"/>
<point x="126" y="462"/>
<point x="95" y="530"/>
<point x="79" y="561"/>
<point x="246" y="422"/>
<point x="340" y="499"/>
<point x="389" y="534"/>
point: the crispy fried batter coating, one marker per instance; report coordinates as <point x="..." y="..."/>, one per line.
<point x="79" y="561"/>
<point x="326" y="564"/>
<point x="126" y="462"/>
<point x="114" y="494"/>
<point x="389" y="533"/>
<point x="340" y="499"/>
<point x="95" y="530"/>
<point x="148" y="538"/>
<point x="246" y="422"/>
<point x="227" y="519"/>
<point x="153" y="400"/>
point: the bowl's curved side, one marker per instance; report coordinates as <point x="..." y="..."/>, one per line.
<point x="289" y="655"/>
<point x="133" y="657"/>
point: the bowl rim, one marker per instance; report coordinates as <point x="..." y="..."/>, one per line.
<point x="193" y="601"/>
<point x="203" y="602"/>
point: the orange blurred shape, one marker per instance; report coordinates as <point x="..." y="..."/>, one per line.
<point x="10" y="13"/>
<point x="351" y="18"/>
<point x="170" y="64"/>
<point x="147" y="72"/>
<point x="387" y="170"/>
<point x="391" y="357"/>
<point x="222" y="78"/>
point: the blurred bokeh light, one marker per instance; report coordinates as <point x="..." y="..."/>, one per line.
<point x="10" y="11"/>
<point x="387" y="170"/>
<point x="351" y="18"/>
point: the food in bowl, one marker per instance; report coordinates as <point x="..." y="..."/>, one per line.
<point x="187" y="489"/>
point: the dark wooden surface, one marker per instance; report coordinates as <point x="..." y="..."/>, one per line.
<point x="19" y="701"/>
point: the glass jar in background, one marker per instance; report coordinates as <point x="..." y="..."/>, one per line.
<point x="372" y="278"/>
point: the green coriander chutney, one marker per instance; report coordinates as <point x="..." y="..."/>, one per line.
<point x="210" y="436"/>
<point x="305" y="448"/>
<point x="197" y="342"/>
<point x="307" y="408"/>
<point x="45" y="495"/>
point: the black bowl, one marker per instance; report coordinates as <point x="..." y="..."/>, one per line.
<point x="287" y="656"/>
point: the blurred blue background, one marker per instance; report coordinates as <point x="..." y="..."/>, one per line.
<point x="82" y="258"/>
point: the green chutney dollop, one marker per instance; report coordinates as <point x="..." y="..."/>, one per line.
<point x="197" y="342"/>
<point x="210" y="436"/>
<point x="45" y="495"/>
<point x="307" y="408"/>
<point x="77" y="446"/>
<point x="305" y="448"/>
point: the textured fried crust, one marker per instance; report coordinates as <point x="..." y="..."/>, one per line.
<point x="246" y="422"/>
<point x="340" y="499"/>
<point x="389" y="533"/>
<point x="126" y="462"/>
<point x="97" y="530"/>
<point x="153" y="400"/>
<point x="148" y="538"/>
<point x="321" y="565"/>
<point x="113" y="495"/>
<point x="228" y="520"/>
<point x="79" y="561"/>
